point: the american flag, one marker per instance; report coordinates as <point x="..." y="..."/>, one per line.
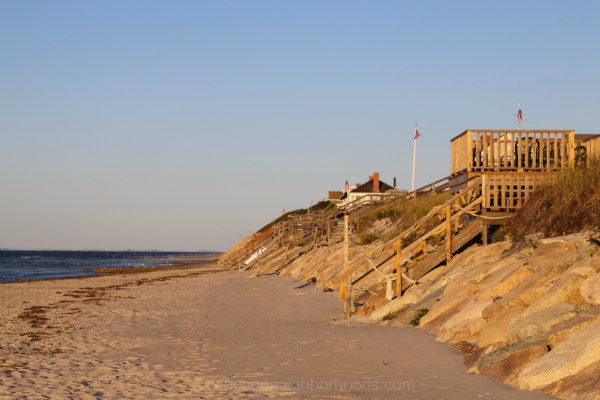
<point x="347" y="187"/>
<point x="520" y="114"/>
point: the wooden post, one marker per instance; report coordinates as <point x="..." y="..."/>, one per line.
<point x="448" y="234"/>
<point x="484" y="234"/>
<point x="571" y="149"/>
<point x="398" y="266"/>
<point x="258" y="262"/>
<point x="469" y="150"/>
<point x="348" y="301"/>
<point x="346" y="266"/>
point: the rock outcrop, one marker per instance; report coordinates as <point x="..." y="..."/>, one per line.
<point x="528" y="316"/>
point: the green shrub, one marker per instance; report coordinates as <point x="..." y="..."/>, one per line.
<point x="418" y="316"/>
<point x="390" y="315"/>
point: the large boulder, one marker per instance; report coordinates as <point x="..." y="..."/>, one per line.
<point x="565" y="289"/>
<point x="548" y="254"/>
<point x="590" y="289"/>
<point x="540" y="324"/>
<point x="524" y="293"/>
<point x="584" y="385"/>
<point x="394" y="306"/>
<point x="476" y="252"/>
<point x="466" y="324"/>
<point x="504" y="352"/>
<point x="467" y="331"/>
<point x="506" y="281"/>
<point x="508" y="369"/>
<point x="564" y="329"/>
<point x="410" y="313"/>
<point x="576" y="352"/>
<point x="469" y="313"/>
<point x="443" y="311"/>
<point x="496" y="329"/>
<point x="472" y="358"/>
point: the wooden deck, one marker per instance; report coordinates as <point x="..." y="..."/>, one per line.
<point x="513" y="163"/>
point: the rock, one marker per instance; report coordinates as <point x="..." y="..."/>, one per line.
<point x="590" y="289"/>
<point x="509" y="368"/>
<point x="574" y="258"/>
<point x="585" y="385"/>
<point x="426" y="303"/>
<point x="506" y="351"/>
<point x="468" y="313"/>
<point x="465" y="347"/>
<point x="479" y="252"/>
<point x="562" y="330"/>
<point x="395" y="305"/>
<point x="539" y="324"/>
<point x="465" y="325"/>
<point x="585" y="267"/>
<point x="536" y="285"/>
<point x="564" y="290"/>
<point x="507" y="281"/>
<point x="496" y="329"/>
<point x="448" y="309"/>
<point x="576" y="352"/>
<point x="558" y="241"/>
<point x="468" y="330"/>
<point x="548" y="255"/>
<point x="472" y="359"/>
<point x="525" y="293"/>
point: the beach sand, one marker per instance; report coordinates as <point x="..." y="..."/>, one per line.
<point x="203" y="333"/>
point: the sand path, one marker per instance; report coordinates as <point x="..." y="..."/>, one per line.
<point x="191" y="335"/>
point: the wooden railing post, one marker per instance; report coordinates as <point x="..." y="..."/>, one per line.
<point x="398" y="266"/>
<point x="348" y="282"/>
<point x="571" y="149"/>
<point x="448" y="233"/>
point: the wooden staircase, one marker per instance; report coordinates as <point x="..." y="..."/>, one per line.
<point x="398" y="258"/>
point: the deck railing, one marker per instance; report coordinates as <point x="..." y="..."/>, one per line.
<point x="507" y="191"/>
<point x="592" y="145"/>
<point x="513" y="150"/>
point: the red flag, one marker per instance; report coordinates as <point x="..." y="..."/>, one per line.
<point x="417" y="134"/>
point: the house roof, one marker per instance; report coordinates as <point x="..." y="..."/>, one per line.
<point x="368" y="187"/>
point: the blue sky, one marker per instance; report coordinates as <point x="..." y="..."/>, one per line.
<point x="184" y="125"/>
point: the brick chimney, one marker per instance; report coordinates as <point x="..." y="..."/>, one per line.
<point x="375" y="181"/>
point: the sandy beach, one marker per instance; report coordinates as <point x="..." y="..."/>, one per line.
<point x="203" y="333"/>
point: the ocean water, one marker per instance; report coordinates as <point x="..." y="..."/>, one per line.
<point x="18" y="265"/>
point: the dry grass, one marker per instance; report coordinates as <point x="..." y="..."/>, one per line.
<point x="569" y="205"/>
<point x="402" y="216"/>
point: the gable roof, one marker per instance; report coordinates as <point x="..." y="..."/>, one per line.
<point x="368" y="187"/>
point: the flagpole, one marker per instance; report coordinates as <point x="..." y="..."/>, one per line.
<point x="412" y="188"/>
